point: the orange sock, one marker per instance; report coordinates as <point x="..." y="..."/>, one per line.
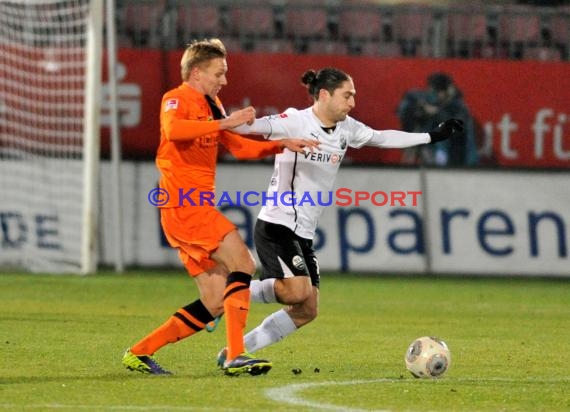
<point x="236" y="308"/>
<point x="185" y="322"/>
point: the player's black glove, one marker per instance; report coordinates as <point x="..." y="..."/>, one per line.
<point x="445" y="130"/>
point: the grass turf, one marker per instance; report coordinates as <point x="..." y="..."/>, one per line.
<point x="63" y="338"/>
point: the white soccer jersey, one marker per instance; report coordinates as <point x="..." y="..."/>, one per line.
<point x="311" y="176"/>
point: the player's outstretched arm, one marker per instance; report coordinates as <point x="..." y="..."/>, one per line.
<point x="177" y="128"/>
<point x="395" y="139"/>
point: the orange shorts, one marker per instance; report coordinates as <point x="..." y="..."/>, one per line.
<point x="196" y="232"/>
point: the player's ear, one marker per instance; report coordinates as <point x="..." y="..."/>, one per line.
<point x="324" y="93"/>
<point x="195" y="72"/>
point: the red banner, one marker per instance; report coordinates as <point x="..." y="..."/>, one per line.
<point x="521" y="108"/>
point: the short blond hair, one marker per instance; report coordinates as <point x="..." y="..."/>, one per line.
<point x="199" y="52"/>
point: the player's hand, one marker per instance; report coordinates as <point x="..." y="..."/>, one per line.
<point x="299" y="145"/>
<point x="239" y="117"/>
<point x="445" y="130"/>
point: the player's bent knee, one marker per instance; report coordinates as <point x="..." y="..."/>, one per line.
<point x="234" y="254"/>
<point x="303" y="314"/>
<point x="250" y="265"/>
<point x="292" y="291"/>
<point x="312" y="313"/>
<point x="310" y="309"/>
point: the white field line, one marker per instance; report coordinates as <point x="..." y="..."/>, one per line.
<point x="290" y="394"/>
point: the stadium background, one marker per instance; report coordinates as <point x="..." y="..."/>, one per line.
<point x="510" y="60"/>
<point x="508" y="216"/>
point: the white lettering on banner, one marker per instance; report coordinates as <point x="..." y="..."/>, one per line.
<point x="128" y="101"/>
<point x="559" y="152"/>
<point x="506" y="126"/>
<point x="541" y="127"/>
<point x="546" y="123"/>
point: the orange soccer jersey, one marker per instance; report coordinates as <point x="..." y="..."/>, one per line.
<point x="186" y="160"/>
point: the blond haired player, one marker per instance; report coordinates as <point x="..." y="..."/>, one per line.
<point x="192" y="124"/>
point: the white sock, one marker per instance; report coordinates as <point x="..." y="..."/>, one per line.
<point x="262" y="291"/>
<point x="274" y="328"/>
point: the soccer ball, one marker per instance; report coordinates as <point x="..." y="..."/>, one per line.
<point x="428" y="357"/>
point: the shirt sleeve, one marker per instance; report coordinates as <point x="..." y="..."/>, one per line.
<point x="243" y="148"/>
<point x="364" y="135"/>
<point x="395" y="139"/>
<point x="274" y="127"/>
<point x="176" y="126"/>
<point x="260" y="126"/>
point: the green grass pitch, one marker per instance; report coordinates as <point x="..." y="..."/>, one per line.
<point x="63" y="337"/>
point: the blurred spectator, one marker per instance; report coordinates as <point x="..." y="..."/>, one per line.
<point x="421" y="110"/>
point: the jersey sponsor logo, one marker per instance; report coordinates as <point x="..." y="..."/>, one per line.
<point x="283" y="115"/>
<point x="171" y="104"/>
<point x="323" y="157"/>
